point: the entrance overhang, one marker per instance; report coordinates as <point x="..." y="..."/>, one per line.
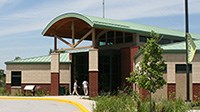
<point x="62" y="26"/>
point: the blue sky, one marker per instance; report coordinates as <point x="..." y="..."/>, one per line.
<point x="22" y="21"/>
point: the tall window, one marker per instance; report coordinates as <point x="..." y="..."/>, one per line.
<point x="119" y="37"/>
<point x="16" y="78"/>
<point x="181" y="68"/>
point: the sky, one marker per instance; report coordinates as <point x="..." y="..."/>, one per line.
<point x="22" y="21"/>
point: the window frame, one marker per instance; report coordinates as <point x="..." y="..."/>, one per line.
<point x="183" y="67"/>
<point x="16" y="78"/>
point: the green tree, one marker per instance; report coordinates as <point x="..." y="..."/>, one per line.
<point x="149" y="73"/>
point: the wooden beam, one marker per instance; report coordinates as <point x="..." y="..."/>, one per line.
<point x="93" y="38"/>
<point x="73" y="34"/>
<point x="61" y="39"/>
<point x="85" y="36"/>
<point x="83" y="47"/>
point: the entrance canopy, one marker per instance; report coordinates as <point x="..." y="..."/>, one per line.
<point x="62" y="26"/>
<point x="102" y="31"/>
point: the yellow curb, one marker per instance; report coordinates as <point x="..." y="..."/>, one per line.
<point x="81" y="107"/>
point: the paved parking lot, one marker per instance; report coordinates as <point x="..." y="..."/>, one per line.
<point x="36" y="106"/>
<point x="43" y="104"/>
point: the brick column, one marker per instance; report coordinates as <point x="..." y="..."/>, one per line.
<point x="196" y="91"/>
<point x="55" y="74"/>
<point x="171" y="90"/>
<point x="93" y="83"/>
<point x="93" y="72"/>
<point x="127" y="63"/>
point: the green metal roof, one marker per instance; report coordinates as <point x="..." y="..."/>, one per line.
<point x="106" y="23"/>
<point x="180" y="46"/>
<point x="64" y="58"/>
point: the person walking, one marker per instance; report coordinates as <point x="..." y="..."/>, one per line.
<point x="85" y="87"/>
<point x="75" y="88"/>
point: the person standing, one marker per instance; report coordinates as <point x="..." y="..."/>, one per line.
<point x="75" y="88"/>
<point x="85" y="87"/>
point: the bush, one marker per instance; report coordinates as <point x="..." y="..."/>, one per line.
<point x="41" y="92"/>
<point x="177" y="105"/>
<point x="3" y="91"/>
<point x="119" y="103"/>
<point x="124" y="102"/>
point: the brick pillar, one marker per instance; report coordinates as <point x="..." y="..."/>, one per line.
<point x="55" y="73"/>
<point x="55" y="84"/>
<point x="8" y="88"/>
<point x="171" y="90"/>
<point x="127" y="63"/>
<point x="93" y="72"/>
<point x="93" y="83"/>
<point x="196" y="91"/>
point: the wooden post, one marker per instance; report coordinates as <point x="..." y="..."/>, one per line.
<point x="93" y="38"/>
<point x="73" y="34"/>
<point x="55" y="44"/>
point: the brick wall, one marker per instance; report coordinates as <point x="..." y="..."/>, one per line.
<point x="171" y="90"/>
<point x="127" y="62"/>
<point x="55" y="84"/>
<point x="93" y="83"/>
<point x="45" y="87"/>
<point x="8" y="88"/>
<point x="144" y="93"/>
<point x="196" y="91"/>
<point x="125" y="65"/>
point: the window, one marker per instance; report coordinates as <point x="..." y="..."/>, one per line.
<point x="119" y="37"/>
<point x="164" y="41"/>
<point x="110" y="38"/>
<point x="165" y="69"/>
<point x="128" y="37"/>
<point x="181" y="68"/>
<point x="16" y="78"/>
<point x="143" y="39"/>
<point x="102" y="40"/>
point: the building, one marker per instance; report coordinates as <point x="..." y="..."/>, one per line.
<point x="35" y="71"/>
<point x="109" y="59"/>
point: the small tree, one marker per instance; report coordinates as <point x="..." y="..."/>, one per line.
<point x="149" y="74"/>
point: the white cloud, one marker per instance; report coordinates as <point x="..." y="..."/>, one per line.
<point x="40" y="15"/>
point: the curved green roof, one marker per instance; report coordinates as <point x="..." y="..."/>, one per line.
<point x="97" y="22"/>
<point x="68" y="15"/>
<point x="64" y="58"/>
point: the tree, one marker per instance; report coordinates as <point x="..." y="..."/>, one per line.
<point x="149" y="74"/>
<point x="50" y="51"/>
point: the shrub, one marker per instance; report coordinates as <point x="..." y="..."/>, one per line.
<point x="3" y="91"/>
<point x="119" y="103"/>
<point x="41" y="92"/>
<point x="124" y="102"/>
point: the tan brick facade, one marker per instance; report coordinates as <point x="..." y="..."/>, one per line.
<point x="38" y="73"/>
<point x="176" y="82"/>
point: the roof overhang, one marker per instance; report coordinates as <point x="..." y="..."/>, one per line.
<point x="61" y="25"/>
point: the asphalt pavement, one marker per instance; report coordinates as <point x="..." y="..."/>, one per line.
<point x="45" y="104"/>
